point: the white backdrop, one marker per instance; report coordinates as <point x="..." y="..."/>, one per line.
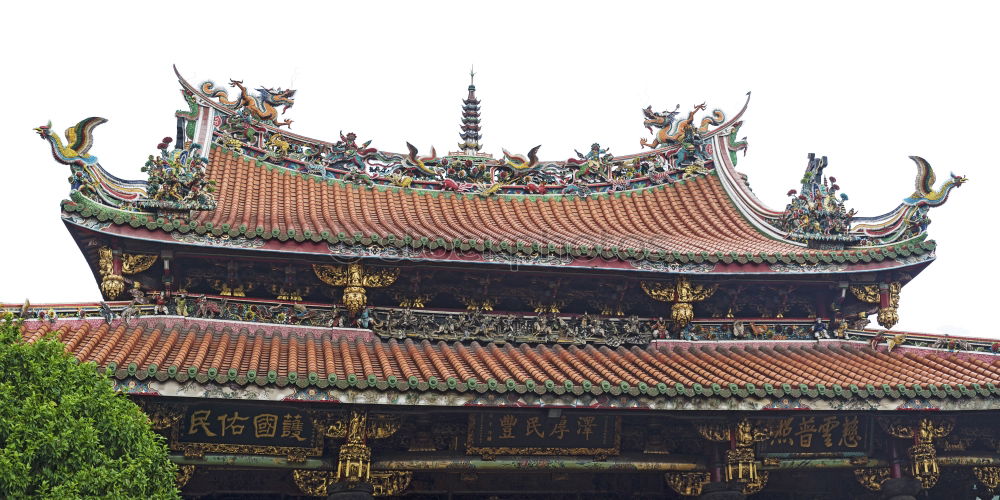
<point x="865" y="83"/>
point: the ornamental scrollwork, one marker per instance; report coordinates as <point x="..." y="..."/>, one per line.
<point x="381" y="426"/>
<point x="162" y="416"/>
<point x="717" y="432"/>
<point x="872" y="477"/>
<point x="312" y="482"/>
<point x="886" y="295"/>
<point x="184" y="474"/>
<point x="134" y="264"/>
<point x="756" y="485"/>
<point x="687" y="483"/>
<point x="866" y="293"/>
<point x="681" y="293"/>
<point x="390" y="483"/>
<point x="112" y="282"/>
<point x="988" y="476"/>
<point x="355" y="278"/>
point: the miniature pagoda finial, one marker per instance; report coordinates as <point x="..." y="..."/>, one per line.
<point x="470" y="119"/>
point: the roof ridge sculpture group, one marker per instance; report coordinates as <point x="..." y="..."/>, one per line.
<point x="683" y="149"/>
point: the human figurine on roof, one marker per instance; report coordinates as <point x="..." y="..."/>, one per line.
<point x="692" y="150"/>
<point x="819" y="329"/>
<point x="160" y="303"/>
<point x="365" y="319"/>
<point x="180" y="304"/>
<point x="839" y="326"/>
<point x="591" y="163"/>
<point x="691" y="332"/>
<point x="659" y="328"/>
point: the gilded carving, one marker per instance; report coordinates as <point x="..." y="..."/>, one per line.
<point x="112" y="269"/>
<point x="888" y="314"/>
<point x="390" y="483"/>
<point x="381" y="426"/>
<point x="682" y="293"/>
<point x="687" y="483"/>
<point x="312" y="482"/>
<point x="355" y="278"/>
<point x="112" y="283"/>
<point x="923" y="456"/>
<point x="132" y="264"/>
<point x="717" y="432"/>
<point x="923" y="463"/>
<point x="161" y="416"/>
<point x="866" y="293"/>
<point x="988" y="476"/>
<point x="756" y="485"/>
<point x="872" y="477"/>
<point x="184" y="473"/>
<point x="354" y="462"/>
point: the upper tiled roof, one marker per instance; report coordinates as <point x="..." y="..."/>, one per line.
<point x="206" y="350"/>
<point x="692" y="218"/>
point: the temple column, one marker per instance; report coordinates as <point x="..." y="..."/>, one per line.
<point x="898" y="487"/>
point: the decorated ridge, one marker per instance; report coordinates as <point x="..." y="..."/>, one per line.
<point x="662" y="217"/>
<point x="699" y="223"/>
<point x="208" y="351"/>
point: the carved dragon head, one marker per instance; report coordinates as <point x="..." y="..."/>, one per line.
<point x="278" y="97"/>
<point x="657" y="119"/>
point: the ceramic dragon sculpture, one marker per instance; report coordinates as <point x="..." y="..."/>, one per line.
<point x="671" y="131"/>
<point x="262" y="107"/>
<point x="925" y="194"/>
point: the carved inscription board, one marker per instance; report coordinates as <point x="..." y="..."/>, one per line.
<point x="247" y="428"/>
<point x="818" y="435"/>
<point x="538" y="433"/>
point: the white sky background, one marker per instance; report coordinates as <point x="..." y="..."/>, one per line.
<point x="866" y="84"/>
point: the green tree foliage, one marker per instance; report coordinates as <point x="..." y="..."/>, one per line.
<point x="66" y="433"/>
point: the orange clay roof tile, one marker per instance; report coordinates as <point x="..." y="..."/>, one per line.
<point x="201" y="345"/>
<point x="691" y="217"/>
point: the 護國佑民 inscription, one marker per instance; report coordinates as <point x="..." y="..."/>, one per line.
<point x="246" y="425"/>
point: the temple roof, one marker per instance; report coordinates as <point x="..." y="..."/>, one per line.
<point x="235" y="173"/>
<point x="692" y="221"/>
<point x="207" y="351"/>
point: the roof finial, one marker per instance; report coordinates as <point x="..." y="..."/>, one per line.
<point x="470" y="119"/>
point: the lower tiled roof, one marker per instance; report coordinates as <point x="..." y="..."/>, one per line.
<point x="227" y="352"/>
